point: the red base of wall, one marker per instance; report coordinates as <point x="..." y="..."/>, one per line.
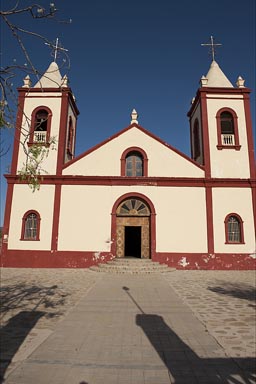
<point x="218" y="261"/>
<point x="48" y="259"/>
<point x="67" y="259"/>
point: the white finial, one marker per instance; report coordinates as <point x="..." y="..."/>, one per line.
<point x="64" y="81"/>
<point x="134" y="116"/>
<point x="203" y="81"/>
<point x="240" y="82"/>
<point x="27" y="82"/>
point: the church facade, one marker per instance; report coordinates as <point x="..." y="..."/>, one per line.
<point x="133" y="194"/>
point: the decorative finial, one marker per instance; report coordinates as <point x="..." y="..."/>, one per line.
<point x="64" y="81"/>
<point x="56" y="49"/>
<point x="27" y="82"/>
<point x="212" y="46"/>
<point x="240" y="82"/>
<point x="203" y="81"/>
<point x="134" y="116"/>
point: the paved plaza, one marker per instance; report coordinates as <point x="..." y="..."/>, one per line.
<point x="82" y="327"/>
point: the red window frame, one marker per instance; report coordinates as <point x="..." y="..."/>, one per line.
<point x="70" y="140"/>
<point x="143" y="156"/>
<point x="33" y="123"/>
<point x="220" y="145"/>
<point x="23" y="227"/>
<point x="241" y="229"/>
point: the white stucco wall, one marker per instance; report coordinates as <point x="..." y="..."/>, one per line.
<point x="52" y="101"/>
<point x="228" y="162"/>
<point x="85" y="217"/>
<point x="25" y="200"/>
<point x="162" y="161"/>
<point x="233" y="200"/>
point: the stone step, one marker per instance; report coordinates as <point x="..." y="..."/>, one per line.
<point x="132" y="266"/>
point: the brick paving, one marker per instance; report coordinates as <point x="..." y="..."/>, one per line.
<point x="82" y="327"/>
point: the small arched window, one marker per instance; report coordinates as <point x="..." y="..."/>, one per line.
<point x="134" y="163"/>
<point x="227" y="123"/>
<point x="234" y="229"/>
<point x="70" y="140"/>
<point x="41" y="124"/>
<point x="30" y="226"/>
<point x="227" y="129"/>
<point x="196" y="141"/>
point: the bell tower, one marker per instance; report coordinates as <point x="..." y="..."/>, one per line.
<point x="47" y="117"/>
<point x="221" y="127"/>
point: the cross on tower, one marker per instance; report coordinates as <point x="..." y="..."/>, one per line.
<point x="56" y="48"/>
<point x="213" y="46"/>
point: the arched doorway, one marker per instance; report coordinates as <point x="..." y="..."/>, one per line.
<point x="132" y="223"/>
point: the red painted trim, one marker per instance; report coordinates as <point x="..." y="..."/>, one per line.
<point x="152" y="221"/>
<point x="249" y="130"/>
<point x="62" y="133"/>
<point x="59" y="90"/>
<point x="211" y="91"/>
<point x="56" y="218"/>
<point x="74" y="259"/>
<point x="134" y="125"/>
<point x="209" y="218"/>
<point x="7" y="217"/>
<point x="47" y="259"/>
<point x="24" y="218"/>
<point x="143" y="155"/>
<point x="241" y="228"/>
<point x="18" y="130"/>
<point x="33" y="119"/>
<point x="147" y="181"/>
<point x="204" y="261"/>
<point x="237" y="145"/>
<point x="205" y="135"/>
<point x="254" y="205"/>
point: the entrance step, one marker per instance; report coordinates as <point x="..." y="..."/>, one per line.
<point x="132" y="265"/>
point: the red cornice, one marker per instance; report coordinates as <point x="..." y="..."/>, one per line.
<point x="50" y="90"/>
<point x="145" y="181"/>
<point x="134" y="125"/>
<point x="224" y="91"/>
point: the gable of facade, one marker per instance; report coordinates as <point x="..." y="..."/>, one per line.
<point x="107" y="158"/>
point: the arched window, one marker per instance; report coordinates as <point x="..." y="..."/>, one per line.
<point x="134" y="163"/>
<point x="70" y="140"/>
<point x="234" y="229"/>
<point x="30" y="226"/>
<point x="226" y="123"/>
<point x="40" y="125"/>
<point x="227" y="129"/>
<point x="133" y="207"/>
<point x="196" y="141"/>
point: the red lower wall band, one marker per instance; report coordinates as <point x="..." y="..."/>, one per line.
<point x="76" y="259"/>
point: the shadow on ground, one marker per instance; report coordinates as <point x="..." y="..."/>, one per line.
<point x="239" y="291"/>
<point x="183" y="364"/>
<point x="28" y="305"/>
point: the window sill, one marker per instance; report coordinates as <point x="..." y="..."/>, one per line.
<point x="29" y="239"/>
<point x="44" y="144"/>
<point x="234" y="243"/>
<point x="236" y="147"/>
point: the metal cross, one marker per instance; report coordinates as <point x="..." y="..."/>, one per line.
<point x="56" y="48"/>
<point x="213" y="46"/>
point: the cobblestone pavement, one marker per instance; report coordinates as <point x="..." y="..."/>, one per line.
<point x="36" y="303"/>
<point x="225" y="302"/>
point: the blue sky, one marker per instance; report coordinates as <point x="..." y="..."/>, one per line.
<point x="142" y="54"/>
